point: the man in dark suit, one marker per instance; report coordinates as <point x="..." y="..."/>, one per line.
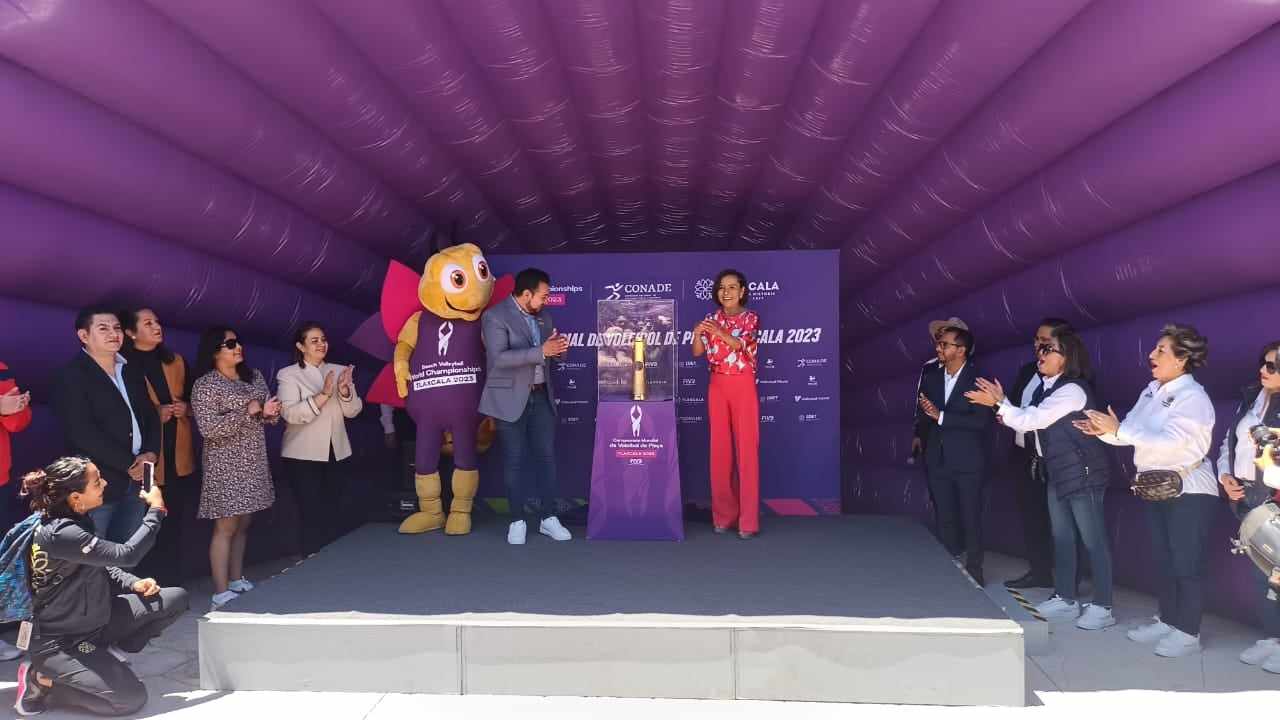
<point x="920" y="436"/>
<point x="955" y="457"/>
<point x="1030" y="494"/>
<point x="519" y="340"/>
<point x="106" y="415"/>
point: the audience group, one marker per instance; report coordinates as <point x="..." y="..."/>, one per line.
<point x="1060" y="433"/>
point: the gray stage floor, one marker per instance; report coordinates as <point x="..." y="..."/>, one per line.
<point x="861" y="567"/>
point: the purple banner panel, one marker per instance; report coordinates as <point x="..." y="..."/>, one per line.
<point x="793" y="292"/>
<point x="635" y="473"/>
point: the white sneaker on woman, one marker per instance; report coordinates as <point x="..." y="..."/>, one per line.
<point x="1150" y="632"/>
<point x="1260" y="651"/>
<point x="1095" y="617"/>
<point x="240" y="586"/>
<point x="1056" y="609"/>
<point x="1178" y="644"/>
<point x="221" y="599"/>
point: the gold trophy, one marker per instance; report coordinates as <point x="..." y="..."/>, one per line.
<point x="637" y="379"/>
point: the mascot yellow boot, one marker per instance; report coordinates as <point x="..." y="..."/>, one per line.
<point x="439" y="370"/>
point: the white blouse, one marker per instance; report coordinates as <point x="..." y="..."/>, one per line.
<point x="1029" y="418"/>
<point x="1171" y="428"/>
<point x="1246" y="450"/>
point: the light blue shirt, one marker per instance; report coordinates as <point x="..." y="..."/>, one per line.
<point x="537" y="339"/>
<point x="118" y="379"/>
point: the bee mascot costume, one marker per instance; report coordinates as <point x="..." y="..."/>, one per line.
<point x="439" y="373"/>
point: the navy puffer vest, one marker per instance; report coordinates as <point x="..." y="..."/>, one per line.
<point x="1074" y="462"/>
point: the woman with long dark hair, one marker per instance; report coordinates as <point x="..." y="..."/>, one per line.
<point x="728" y="338"/>
<point x="86" y="609"/>
<point x="1242" y="480"/>
<point x="1072" y="465"/>
<point x="231" y="404"/>
<point x="316" y="398"/>
<point x="1171" y="429"/>
<point x="165" y="372"/>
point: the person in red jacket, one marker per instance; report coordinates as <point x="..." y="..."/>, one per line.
<point x="15" y="416"/>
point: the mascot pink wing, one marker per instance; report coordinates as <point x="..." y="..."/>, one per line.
<point x="502" y="289"/>
<point x="399" y="298"/>
<point x="383" y="389"/>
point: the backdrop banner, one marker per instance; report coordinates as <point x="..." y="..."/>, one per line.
<point x="795" y="294"/>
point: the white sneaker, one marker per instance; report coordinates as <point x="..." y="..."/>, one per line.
<point x="240" y="586"/>
<point x="1095" y="617"/>
<point x="1272" y="665"/>
<point x="1260" y="651"/>
<point x="118" y="654"/>
<point x="552" y="528"/>
<point x="1055" y="609"/>
<point x="516" y="533"/>
<point x="8" y="652"/>
<point x="222" y="598"/>
<point x="1178" y="644"/>
<point x="1150" y="632"/>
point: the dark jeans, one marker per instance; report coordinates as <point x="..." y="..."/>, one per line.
<point x="529" y="460"/>
<point x="317" y="486"/>
<point x="86" y="675"/>
<point x="1080" y="516"/>
<point x="1179" y="534"/>
<point x="118" y="520"/>
<point x="957" y="496"/>
<point x="1032" y="499"/>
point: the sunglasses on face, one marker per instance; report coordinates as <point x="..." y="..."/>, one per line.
<point x="1269" y="366"/>
<point x="1046" y="349"/>
<point x="230" y="344"/>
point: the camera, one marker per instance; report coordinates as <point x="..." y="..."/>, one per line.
<point x="1264" y="437"/>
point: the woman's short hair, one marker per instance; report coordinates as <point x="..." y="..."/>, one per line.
<point x="1188" y="344"/>
<point x="1074" y="352"/>
<point x="742" y="280"/>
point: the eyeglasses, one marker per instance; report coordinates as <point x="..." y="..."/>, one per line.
<point x="230" y="343"/>
<point x="1269" y="366"/>
<point x="1046" y="349"/>
<point x="944" y="343"/>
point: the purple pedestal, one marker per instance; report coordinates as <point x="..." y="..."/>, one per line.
<point x="635" y="473"/>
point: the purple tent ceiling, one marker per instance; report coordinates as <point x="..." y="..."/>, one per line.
<point x="257" y="162"/>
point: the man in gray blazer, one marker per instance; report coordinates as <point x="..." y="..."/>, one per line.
<point x="519" y="338"/>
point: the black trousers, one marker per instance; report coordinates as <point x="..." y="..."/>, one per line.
<point x="165" y="560"/>
<point x="1031" y="496"/>
<point x="86" y="675"/>
<point x="318" y="489"/>
<point x="1179" y="540"/>
<point x="957" y="496"/>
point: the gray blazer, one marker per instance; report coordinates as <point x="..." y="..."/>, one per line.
<point x="511" y="357"/>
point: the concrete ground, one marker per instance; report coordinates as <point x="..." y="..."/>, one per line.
<point x="1085" y="672"/>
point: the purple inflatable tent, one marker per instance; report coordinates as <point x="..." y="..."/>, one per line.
<point x="1110" y="161"/>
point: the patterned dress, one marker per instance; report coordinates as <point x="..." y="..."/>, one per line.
<point x="237" y="477"/>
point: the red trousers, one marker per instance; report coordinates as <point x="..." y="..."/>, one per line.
<point x="733" y="410"/>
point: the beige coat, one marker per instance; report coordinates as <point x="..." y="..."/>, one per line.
<point x="310" y="430"/>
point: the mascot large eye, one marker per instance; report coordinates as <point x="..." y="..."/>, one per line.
<point x="453" y="279"/>
<point x="482" y="268"/>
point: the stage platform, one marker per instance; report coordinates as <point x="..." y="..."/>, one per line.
<point x="842" y="609"/>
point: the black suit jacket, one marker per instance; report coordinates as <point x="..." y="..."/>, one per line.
<point x="95" y="419"/>
<point x="960" y="442"/>
<point x="923" y="423"/>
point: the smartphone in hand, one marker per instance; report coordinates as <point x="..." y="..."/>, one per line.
<point x="148" y="476"/>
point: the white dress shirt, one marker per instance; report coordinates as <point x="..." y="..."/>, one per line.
<point x="1171" y="428"/>
<point x="948" y="384"/>
<point x="1246" y="450"/>
<point x="1020" y="438"/>
<point x="1050" y="410"/>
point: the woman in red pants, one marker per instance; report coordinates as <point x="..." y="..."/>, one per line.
<point x="728" y="338"/>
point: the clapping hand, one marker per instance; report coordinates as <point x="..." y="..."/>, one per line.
<point x="1235" y="491"/>
<point x="14" y="402"/>
<point x="707" y="327"/>
<point x="1098" y="423"/>
<point x="328" y="384"/>
<point x="929" y="408"/>
<point x="555" y="345"/>
<point x="988" y="393"/>
<point x="271" y="409"/>
<point x="344" y="381"/>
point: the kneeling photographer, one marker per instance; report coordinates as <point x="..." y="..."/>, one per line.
<point x="86" y="609"/>
<point x="1241" y="473"/>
